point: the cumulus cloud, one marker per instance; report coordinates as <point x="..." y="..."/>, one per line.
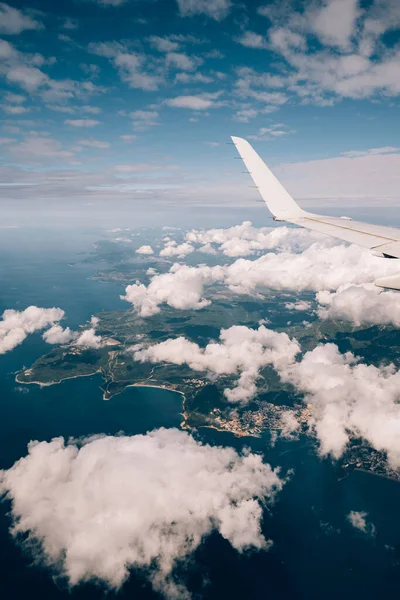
<point x="145" y="250"/>
<point x="156" y="497"/>
<point x="358" y="519"/>
<point x="349" y="398"/>
<point x="216" y="9"/>
<point x="363" y="304"/>
<point x="57" y="335"/>
<point x="346" y="398"/>
<point x="181" y="60"/>
<point x="88" y="337"/>
<point x="137" y="69"/>
<point x="245" y="240"/>
<point x="82" y="122"/>
<point x="16" y="325"/>
<point x="334" y="22"/>
<point x="250" y="39"/>
<point x="25" y="70"/>
<point x="181" y="288"/>
<point x="289" y="424"/>
<point x="241" y="351"/>
<point x="300" y="305"/>
<point x="143" y="119"/>
<point x="128" y="139"/>
<point x="163" y="44"/>
<point x="353" y="59"/>
<point x="199" y="102"/>
<point x="323" y="265"/>
<point x="13" y="21"/>
<point x="35" y="149"/>
<point x="171" y="248"/>
<point x="94" y="144"/>
<point x="269" y="133"/>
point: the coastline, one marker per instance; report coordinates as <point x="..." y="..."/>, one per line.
<point x="48" y="383"/>
<point x="161" y="387"/>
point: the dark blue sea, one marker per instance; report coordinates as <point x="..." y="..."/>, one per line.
<point x="317" y="554"/>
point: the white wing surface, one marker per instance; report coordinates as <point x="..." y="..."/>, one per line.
<point x="382" y="240"/>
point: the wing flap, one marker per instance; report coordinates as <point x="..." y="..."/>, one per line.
<point x="354" y="232"/>
<point x="390" y="250"/>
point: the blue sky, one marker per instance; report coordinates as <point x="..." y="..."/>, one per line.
<point x="112" y="103"/>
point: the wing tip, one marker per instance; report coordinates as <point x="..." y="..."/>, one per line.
<point x="237" y="140"/>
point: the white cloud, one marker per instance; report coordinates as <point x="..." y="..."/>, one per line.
<point x="335" y="21"/>
<point x="14" y="109"/>
<point x="323" y="265"/>
<point x="14" y="98"/>
<point x="180" y="60"/>
<point x="70" y="24"/>
<point x="110" y="2"/>
<point x="156" y="498"/>
<point x="61" y="108"/>
<point x="94" y="144"/>
<point x="93" y="110"/>
<point x="245" y="240"/>
<point x="24" y="70"/>
<point x="145" y="250"/>
<point x="347" y="182"/>
<point x="372" y="151"/>
<point x="88" y="337"/>
<point x="82" y="122"/>
<point x="37" y="149"/>
<point x="199" y="102"/>
<point x="269" y="133"/>
<point x="360" y="179"/>
<point x="353" y="60"/>
<point x="289" y="424"/>
<point x="358" y="519"/>
<point x="245" y="114"/>
<point x="261" y="87"/>
<point x="363" y="304"/>
<point x="181" y="288"/>
<point x="143" y="168"/>
<point x="90" y="69"/>
<point x="241" y="351"/>
<point x="13" y="21"/>
<point x="345" y="397"/>
<point x="133" y="70"/>
<point x="16" y="325"/>
<point x="349" y="399"/>
<point x="143" y="119"/>
<point x="136" y="69"/>
<point x="317" y="268"/>
<point x="128" y="139"/>
<point x="215" y="9"/>
<point x="57" y="335"/>
<point x="163" y="44"/>
<point x="250" y="39"/>
<point x="240" y="240"/>
<point x="300" y="305"/>
<point x="124" y="240"/>
<point x="171" y="248"/>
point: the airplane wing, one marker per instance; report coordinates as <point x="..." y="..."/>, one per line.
<point x="381" y="240"/>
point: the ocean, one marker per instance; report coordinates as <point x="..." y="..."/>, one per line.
<point x="316" y="553"/>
